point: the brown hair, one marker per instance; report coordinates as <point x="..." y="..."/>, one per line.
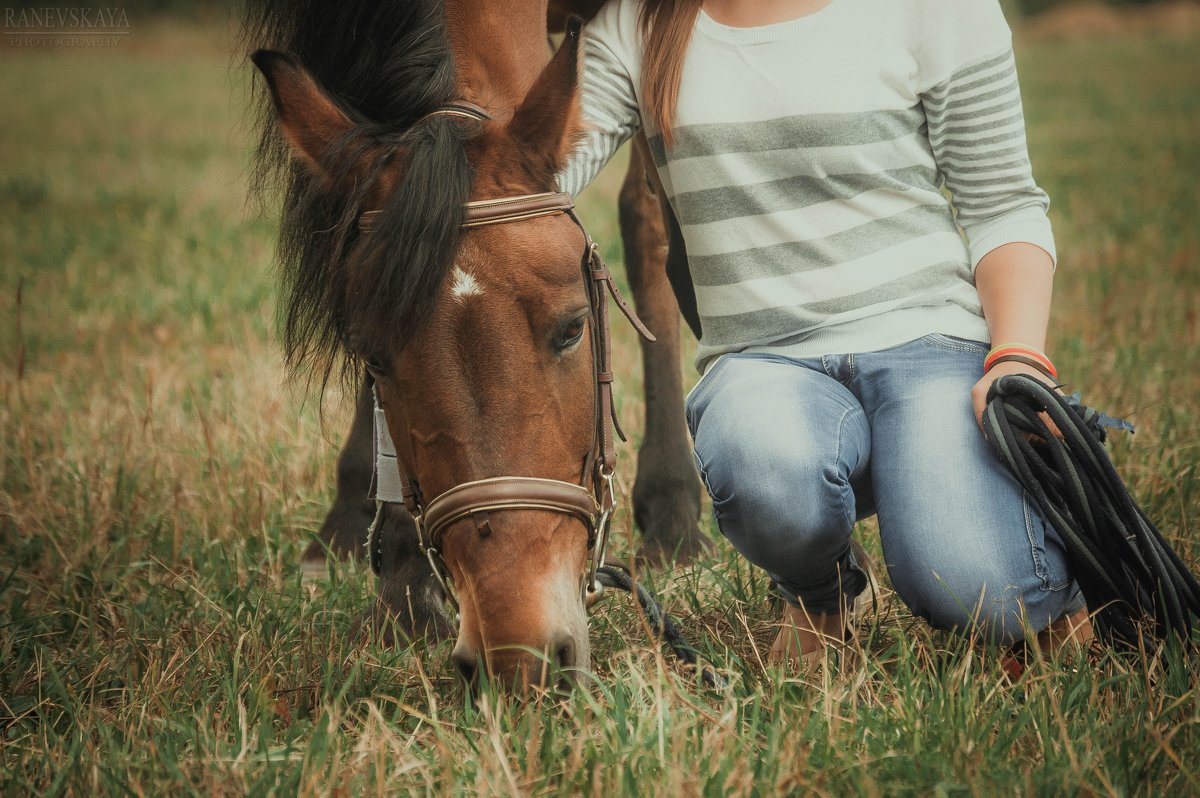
<point x="667" y="28"/>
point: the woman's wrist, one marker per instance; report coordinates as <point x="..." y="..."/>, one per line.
<point x="1020" y="353"/>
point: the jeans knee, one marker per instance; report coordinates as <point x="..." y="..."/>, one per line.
<point x="767" y="502"/>
<point x="980" y="599"/>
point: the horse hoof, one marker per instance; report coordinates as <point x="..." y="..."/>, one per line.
<point x="413" y="605"/>
<point x="663" y="553"/>
<point x="665" y="510"/>
<point x="313" y="571"/>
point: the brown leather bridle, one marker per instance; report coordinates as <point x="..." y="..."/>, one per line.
<point x="592" y="500"/>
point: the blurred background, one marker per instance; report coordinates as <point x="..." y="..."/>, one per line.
<point x="160" y="473"/>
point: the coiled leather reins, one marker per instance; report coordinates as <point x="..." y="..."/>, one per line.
<point x="1127" y="570"/>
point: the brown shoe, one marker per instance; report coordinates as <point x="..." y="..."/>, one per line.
<point x="1068" y="632"/>
<point x="803" y="637"/>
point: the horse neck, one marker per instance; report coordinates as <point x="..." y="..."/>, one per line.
<point x="499" y="49"/>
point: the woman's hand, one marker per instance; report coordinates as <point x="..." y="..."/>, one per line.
<point x="980" y="391"/>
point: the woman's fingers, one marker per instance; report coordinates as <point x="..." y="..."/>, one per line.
<point x="980" y="390"/>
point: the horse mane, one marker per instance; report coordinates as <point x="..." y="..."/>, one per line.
<point x="387" y="64"/>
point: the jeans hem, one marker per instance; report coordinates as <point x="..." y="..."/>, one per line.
<point x="848" y="588"/>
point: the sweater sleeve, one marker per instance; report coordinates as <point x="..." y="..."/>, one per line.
<point x="611" y="73"/>
<point x="968" y="88"/>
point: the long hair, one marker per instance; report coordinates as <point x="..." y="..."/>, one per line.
<point x="387" y="64"/>
<point x="667" y="30"/>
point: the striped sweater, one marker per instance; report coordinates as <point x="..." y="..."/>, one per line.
<point x="836" y="177"/>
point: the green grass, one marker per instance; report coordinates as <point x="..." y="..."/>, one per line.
<point x="159" y="477"/>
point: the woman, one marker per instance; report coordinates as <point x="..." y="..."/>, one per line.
<point x="804" y="146"/>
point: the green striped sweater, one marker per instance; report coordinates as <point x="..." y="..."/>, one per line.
<point x="837" y="177"/>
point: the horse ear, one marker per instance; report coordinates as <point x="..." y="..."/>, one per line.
<point x="308" y="119"/>
<point x="548" y="123"/>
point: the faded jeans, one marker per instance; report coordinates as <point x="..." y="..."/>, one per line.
<point x="794" y="452"/>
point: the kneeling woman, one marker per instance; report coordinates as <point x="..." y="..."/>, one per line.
<point x="847" y="306"/>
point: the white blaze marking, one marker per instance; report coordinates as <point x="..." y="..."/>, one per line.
<point x="464" y="285"/>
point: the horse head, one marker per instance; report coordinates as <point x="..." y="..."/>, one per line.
<point x="482" y="341"/>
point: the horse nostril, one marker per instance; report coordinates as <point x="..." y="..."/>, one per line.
<point x="465" y="663"/>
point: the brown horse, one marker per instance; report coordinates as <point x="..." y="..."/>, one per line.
<point x="478" y="342"/>
<point x="666" y="490"/>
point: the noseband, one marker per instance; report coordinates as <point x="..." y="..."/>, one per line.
<point x="591" y="501"/>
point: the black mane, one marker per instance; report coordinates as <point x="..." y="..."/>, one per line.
<point x="388" y="63"/>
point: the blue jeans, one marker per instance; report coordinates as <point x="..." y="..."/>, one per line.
<point x="793" y="452"/>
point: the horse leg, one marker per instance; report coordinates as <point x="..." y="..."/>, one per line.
<point x="407" y="595"/>
<point x="408" y="592"/>
<point x="666" y="493"/>
<point x="344" y="531"/>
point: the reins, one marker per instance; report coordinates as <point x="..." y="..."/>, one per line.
<point x="1126" y="569"/>
<point x="593" y="499"/>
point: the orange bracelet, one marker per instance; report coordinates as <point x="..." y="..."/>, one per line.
<point x="1023" y="354"/>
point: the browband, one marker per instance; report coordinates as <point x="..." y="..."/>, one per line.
<point x="482" y="213"/>
<point x="459" y="108"/>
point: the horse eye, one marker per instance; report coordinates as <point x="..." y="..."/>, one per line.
<point x="374" y="365"/>
<point x="570" y="333"/>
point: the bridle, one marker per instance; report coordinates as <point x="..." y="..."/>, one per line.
<point x="593" y="499"/>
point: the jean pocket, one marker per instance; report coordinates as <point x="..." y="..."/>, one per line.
<point x="956" y="344"/>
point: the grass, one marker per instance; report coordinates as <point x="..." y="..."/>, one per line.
<point x="159" y="477"/>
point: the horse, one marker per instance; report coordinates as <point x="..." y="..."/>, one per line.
<point x="396" y="126"/>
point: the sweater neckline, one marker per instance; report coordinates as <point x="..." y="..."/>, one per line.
<point x="775" y="32"/>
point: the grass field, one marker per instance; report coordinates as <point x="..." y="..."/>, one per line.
<point x="159" y="477"/>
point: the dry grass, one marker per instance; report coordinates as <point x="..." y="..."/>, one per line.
<point x="158" y="479"/>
